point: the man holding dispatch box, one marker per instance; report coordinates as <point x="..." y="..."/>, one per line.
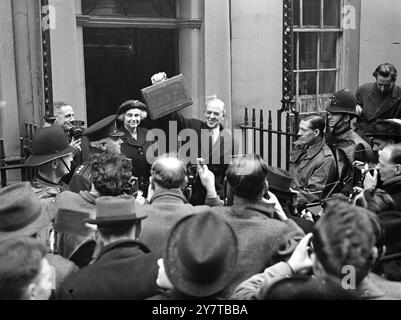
<point x="205" y="139"/>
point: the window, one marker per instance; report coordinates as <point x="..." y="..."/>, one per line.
<point x="131" y="8"/>
<point x="317" y="38"/>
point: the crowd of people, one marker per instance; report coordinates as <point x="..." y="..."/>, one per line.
<point x="226" y="225"/>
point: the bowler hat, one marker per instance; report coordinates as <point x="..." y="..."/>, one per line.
<point x="21" y="212"/>
<point x="201" y="254"/>
<point x="343" y="101"/>
<point x="112" y="211"/>
<point x="131" y="104"/>
<point x="280" y="180"/>
<point x="383" y="128"/>
<point x="103" y="129"/>
<point x="48" y="143"/>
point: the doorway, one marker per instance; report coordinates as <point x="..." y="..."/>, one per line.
<point x="120" y="61"/>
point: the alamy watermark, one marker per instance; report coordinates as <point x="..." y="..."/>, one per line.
<point x="48" y="17"/>
<point x="348" y="282"/>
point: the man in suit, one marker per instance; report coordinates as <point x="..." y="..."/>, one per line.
<point x="124" y="268"/>
<point x="380" y="99"/>
<point x="263" y="237"/>
<point x="210" y="141"/>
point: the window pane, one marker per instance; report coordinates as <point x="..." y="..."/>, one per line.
<point x="295" y="53"/>
<point x="295" y="85"/>
<point x="327" y="82"/>
<point x="311" y="12"/>
<point x="331" y="13"/>
<point x="296" y="12"/>
<point x="328" y="52"/>
<point x="307" y="50"/>
<point x="307" y="83"/>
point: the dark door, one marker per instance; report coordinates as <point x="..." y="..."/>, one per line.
<point x="120" y="61"/>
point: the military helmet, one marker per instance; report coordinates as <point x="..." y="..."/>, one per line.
<point x="48" y="143"/>
<point x="343" y="101"/>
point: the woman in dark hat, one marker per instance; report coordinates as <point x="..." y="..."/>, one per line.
<point x="135" y="145"/>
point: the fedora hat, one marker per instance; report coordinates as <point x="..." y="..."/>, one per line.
<point x="21" y="212"/>
<point x="201" y="254"/>
<point x="280" y="180"/>
<point x="48" y="143"/>
<point x="111" y="211"/>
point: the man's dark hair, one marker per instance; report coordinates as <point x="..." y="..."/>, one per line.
<point x="316" y="122"/>
<point x="247" y="176"/>
<point x="376" y="200"/>
<point x="117" y="231"/>
<point x="20" y="262"/>
<point x="386" y="69"/>
<point x="168" y="172"/>
<point x="110" y="173"/>
<point x="345" y="236"/>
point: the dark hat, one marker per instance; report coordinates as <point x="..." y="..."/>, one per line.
<point x="103" y="129"/>
<point x="391" y="223"/>
<point x="201" y="254"/>
<point x="383" y="128"/>
<point x="343" y="101"/>
<point x="48" y="143"/>
<point x="280" y="180"/>
<point x="131" y="104"/>
<point x="21" y="212"/>
<point x="112" y="211"/>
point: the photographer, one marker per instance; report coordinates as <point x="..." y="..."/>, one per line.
<point x="73" y="129"/>
<point x="64" y="117"/>
<point x="110" y="176"/>
<point x="103" y="137"/>
<point x="167" y="202"/>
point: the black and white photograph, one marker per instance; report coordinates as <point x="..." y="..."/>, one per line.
<point x="206" y="152"/>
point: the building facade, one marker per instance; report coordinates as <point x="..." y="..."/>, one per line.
<point x="103" y="51"/>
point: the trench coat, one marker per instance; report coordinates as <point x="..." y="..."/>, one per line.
<point x="313" y="173"/>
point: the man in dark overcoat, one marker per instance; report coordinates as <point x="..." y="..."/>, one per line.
<point x="124" y="268"/>
<point x="380" y="99"/>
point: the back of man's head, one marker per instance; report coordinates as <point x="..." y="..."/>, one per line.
<point x="395" y="152"/>
<point x="247" y="176"/>
<point x="20" y="264"/>
<point x="111" y="173"/>
<point x="168" y="172"/>
<point x="345" y="237"/>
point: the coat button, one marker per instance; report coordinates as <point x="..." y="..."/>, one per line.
<point x="141" y="152"/>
